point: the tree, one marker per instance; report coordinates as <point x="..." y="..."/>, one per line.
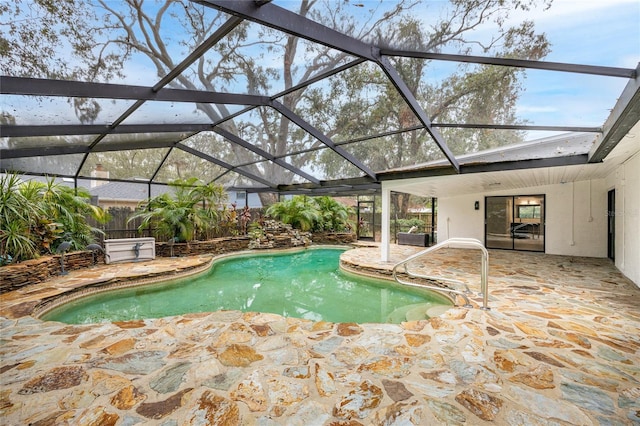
<point x="236" y="64"/>
<point x="362" y="101"/>
<point x="57" y="39"/>
<point x="473" y="94"/>
<point x="356" y="102"/>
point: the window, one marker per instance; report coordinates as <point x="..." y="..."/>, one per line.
<point x="515" y="222"/>
<point x="529" y="211"/>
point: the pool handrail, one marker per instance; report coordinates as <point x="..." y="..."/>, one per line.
<point x="458" y="242"/>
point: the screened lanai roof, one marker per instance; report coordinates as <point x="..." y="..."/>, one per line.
<point x="318" y="97"/>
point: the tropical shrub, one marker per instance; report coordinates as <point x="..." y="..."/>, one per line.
<point x="35" y="217"/>
<point x="312" y="214"/>
<point x="334" y="216"/>
<point x="245" y="218"/>
<point x="301" y="212"/>
<point x="192" y="212"/>
<point x="255" y="231"/>
<point x="16" y="218"/>
<point x="70" y="207"/>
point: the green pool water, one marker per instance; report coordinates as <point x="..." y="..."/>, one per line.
<point x="306" y="284"/>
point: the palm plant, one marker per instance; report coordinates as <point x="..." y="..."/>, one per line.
<point x="193" y="210"/>
<point x="16" y="218"/>
<point x="334" y="215"/>
<point x="301" y="212"/>
<point x="213" y="199"/>
<point x="33" y="216"/>
<point x="312" y="214"/>
<point x="169" y="218"/>
<point x="70" y="207"/>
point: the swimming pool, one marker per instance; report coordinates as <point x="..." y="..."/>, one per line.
<point x="304" y="284"/>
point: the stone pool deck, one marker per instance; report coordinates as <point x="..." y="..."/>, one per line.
<point x="560" y="346"/>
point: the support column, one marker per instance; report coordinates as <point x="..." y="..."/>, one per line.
<point x="386" y="224"/>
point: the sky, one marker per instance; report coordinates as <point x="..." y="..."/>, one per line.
<point x="594" y="32"/>
<point x="587" y="32"/>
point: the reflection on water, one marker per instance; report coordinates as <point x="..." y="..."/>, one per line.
<point x="306" y="284"/>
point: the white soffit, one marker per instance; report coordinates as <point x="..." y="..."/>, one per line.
<point x="479" y="183"/>
<point x="510" y="180"/>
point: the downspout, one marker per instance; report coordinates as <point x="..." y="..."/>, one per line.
<point x="624" y="215"/>
<point x="573" y="213"/>
<point x="385" y="225"/>
<point x="148" y="206"/>
<point x="433" y="222"/>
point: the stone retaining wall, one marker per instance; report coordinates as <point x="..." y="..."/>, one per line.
<point x="277" y="235"/>
<point x="35" y="271"/>
<point x="334" y="237"/>
<point x="15" y="276"/>
<point x="215" y="246"/>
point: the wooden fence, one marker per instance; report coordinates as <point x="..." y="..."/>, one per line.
<point x="119" y="225"/>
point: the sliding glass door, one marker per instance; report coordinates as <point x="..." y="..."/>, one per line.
<point x="498" y="219"/>
<point x="515" y="222"/>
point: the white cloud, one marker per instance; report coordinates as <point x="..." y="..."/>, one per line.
<point x="530" y="109"/>
<point x="571" y="11"/>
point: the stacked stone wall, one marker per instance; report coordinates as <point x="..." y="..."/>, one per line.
<point x="34" y="271"/>
<point x="338" y="238"/>
<point x="215" y="246"/>
<point x="275" y="235"/>
<point x="279" y="235"/>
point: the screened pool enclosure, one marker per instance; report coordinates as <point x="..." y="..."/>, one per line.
<point x="312" y="97"/>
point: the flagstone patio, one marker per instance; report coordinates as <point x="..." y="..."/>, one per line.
<point x="560" y="345"/>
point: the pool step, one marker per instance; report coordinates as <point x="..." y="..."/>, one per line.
<point x="437" y="310"/>
<point x="416" y="312"/>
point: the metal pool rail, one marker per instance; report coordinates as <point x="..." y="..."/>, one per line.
<point x="451" y="242"/>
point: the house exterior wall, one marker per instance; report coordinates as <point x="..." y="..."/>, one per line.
<point x="457" y="217"/>
<point x="576" y="217"/>
<point x="252" y="200"/>
<point x="108" y="203"/>
<point x="626" y="182"/>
